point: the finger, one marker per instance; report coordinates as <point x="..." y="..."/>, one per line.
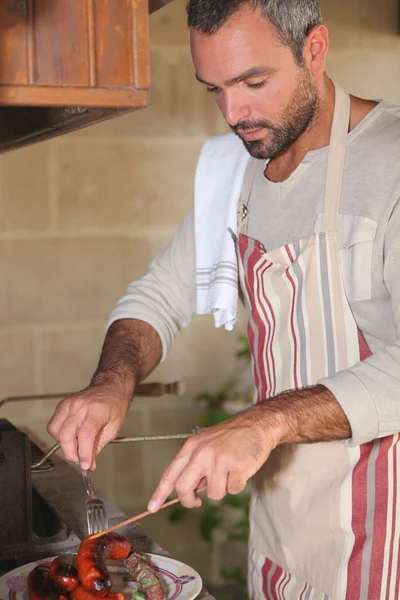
<point x="236" y="483"/>
<point x="189" y="482"/>
<point x="67" y="438"/>
<point x="105" y="436"/>
<point x="217" y="484"/>
<point x="167" y="481"/>
<point x="57" y="420"/>
<point x="87" y="435"/>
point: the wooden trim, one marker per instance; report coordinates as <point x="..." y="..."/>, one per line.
<point x="23" y="95"/>
<point x="30" y="42"/>
<point x="29" y="125"/>
<point x="141" y="42"/>
<point x="91" y="43"/>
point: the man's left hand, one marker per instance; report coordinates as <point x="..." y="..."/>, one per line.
<point x="221" y="459"/>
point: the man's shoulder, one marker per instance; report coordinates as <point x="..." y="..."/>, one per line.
<point x="387" y="120"/>
<point x="377" y="140"/>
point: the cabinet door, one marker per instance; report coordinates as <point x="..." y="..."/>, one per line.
<point x="74" y="53"/>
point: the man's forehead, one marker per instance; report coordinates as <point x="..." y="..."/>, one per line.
<point x="240" y="44"/>
<point x="247" y="74"/>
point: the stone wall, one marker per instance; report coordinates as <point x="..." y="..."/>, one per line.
<point x="83" y="215"/>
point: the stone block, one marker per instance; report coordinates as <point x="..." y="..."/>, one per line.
<point x="17" y="368"/>
<point x="53" y="281"/>
<point x="125" y="186"/>
<point x="69" y="357"/>
<point x="26" y="189"/>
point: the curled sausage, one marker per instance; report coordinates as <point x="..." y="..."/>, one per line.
<point x="142" y="571"/>
<point x="92" y="553"/>
<point x="41" y="587"/>
<point x="63" y="574"/>
<point x="80" y="593"/>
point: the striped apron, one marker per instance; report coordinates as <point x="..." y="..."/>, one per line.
<point x="322" y="515"/>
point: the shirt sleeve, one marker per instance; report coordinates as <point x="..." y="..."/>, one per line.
<point x="369" y="392"/>
<point x="165" y="297"/>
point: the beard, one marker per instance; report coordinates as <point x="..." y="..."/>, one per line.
<point x="296" y="118"/>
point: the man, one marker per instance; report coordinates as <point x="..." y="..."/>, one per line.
<point x="311" y="202"/>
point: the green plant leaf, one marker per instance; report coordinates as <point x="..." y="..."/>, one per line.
<point x="238" y="501"/>
<point x="210" y="519"/>
<point x="177" y="513"/>
<point x="236" y="575"/>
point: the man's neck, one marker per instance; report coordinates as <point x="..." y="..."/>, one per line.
<point x="318" y="133"/>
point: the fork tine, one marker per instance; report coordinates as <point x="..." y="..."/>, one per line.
<point x="98" y="520"/>
<point x="96" y="515"/>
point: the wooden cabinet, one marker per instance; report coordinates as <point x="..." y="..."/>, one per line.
<point x="91" y="53"/>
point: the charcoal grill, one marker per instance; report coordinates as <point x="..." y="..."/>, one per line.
<point x="30" y="527"/>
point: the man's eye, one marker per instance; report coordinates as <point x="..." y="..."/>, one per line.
<point x="212" y="90"/>
<point x="256" y="85"/>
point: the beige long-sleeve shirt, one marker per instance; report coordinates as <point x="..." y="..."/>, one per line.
<point x="369" y="242"/>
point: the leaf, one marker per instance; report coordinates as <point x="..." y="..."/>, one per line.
<point x="177" y="513"/>
<point x="236" y="575"/>
<point x="238" y="501"/>
<point x="205" y="397"/>
<point x="210" y="519"/>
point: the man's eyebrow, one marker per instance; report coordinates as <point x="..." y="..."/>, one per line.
<point x="253" y="72"/>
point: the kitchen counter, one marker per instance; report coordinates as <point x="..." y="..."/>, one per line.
<point x="63" y="489"/>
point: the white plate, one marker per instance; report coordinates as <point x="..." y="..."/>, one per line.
<point x="179" y="581"/>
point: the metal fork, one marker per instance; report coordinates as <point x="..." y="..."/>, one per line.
<point x="95" y="510"/>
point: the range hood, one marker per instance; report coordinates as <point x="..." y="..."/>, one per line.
<point x="68" y="65"/>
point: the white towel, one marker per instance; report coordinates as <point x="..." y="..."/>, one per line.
<point x="218" y="183"/>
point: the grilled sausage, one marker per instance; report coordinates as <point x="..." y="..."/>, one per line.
<point x="41" y="587"/>
<point x="142" y="571"/>
<point x="80" y="593"/>
<point x="63" y="574"/>
<point x="92" y="553"/>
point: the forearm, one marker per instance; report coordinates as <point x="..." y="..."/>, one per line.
<point x="304" y="416"/>
<point x="131" y="350"/>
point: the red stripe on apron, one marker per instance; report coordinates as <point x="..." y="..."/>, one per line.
<point x="397" y="590"/>
<point x="268" y="382"/>
<point x="394" y="515"/>
<point x="358" y="521"/>
<point x="304" y="591"/>
<point x="365" y="352"/>
<point x="292" y="327"/>
<point x="268" y="565"/>
<point x="380" y="517"/>
<point x="249" y="284"/>
<point x="274" y="582"/>
<point x="289" y="577"/>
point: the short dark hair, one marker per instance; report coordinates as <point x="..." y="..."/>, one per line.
<point x="292" y="19"/>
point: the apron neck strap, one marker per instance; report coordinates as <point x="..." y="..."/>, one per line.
<point x="242" y="213"/>
<point x="336" y="158"/>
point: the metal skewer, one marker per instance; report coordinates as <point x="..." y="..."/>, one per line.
<point x="123" y="440"/>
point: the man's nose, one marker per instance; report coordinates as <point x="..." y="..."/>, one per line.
<point x="235" y="108"/>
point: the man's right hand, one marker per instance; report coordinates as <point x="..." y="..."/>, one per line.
<point x="89" y="420"/>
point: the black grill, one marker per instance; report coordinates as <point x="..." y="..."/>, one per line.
<point x="29" y="527"/>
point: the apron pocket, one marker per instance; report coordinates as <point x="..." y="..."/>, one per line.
<point x="356" y="237"/>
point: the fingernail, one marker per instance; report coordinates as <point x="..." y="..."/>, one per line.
<point x="152" y="506"/>
<point x="85" y="466"/>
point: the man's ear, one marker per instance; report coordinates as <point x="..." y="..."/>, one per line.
<point x="316" y="49"/>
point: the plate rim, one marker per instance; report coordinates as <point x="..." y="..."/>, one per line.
<point x="167" y="558"/>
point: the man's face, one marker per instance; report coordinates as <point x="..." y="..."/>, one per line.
<point x="265" y="97"/>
